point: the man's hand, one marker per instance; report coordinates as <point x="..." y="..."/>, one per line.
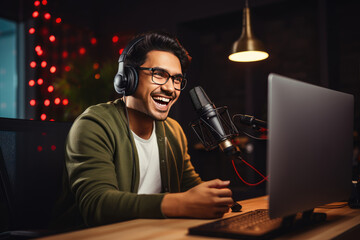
<point x="207" y="200"/>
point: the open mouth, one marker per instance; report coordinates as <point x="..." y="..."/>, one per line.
<point x="162" y="100"/>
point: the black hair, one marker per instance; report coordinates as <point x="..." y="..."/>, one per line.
<point x="161" y="41"/>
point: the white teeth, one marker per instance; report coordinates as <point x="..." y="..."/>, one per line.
<point x="162" y="99"/>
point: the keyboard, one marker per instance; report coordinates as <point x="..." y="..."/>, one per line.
<point x="253" y="224"/>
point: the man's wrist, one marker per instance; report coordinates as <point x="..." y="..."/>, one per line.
<point x="171" y="205"/>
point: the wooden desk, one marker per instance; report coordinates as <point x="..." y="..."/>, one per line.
<point x="339" y="220"/>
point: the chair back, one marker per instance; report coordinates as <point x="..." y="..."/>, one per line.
<point x="31" y="168"/>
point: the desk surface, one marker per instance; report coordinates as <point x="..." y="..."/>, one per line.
<point x="339" y="220"/>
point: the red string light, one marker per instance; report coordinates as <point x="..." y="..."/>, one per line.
<point x="32" y="64"/>
<point x="39" y="148"/>
<point x="32" y="102"/>
<point x="121" y="50"/>
<point x="67" y="68"/>
<point x="43" y="117"/>
<point x="50" y="88"/>
<point x="39" y="53"/>
<point x="47" y="102"/>
<point x="40" y="81"/>
<point x="65" y="54"/>
<point x="97" y="76"/>
<point x="52" y="38"/>
<point x="38" y="50"/>
<point x="47" y="16"/>
<point x="53" y="147"/>
<point x="31" y="83"/>
<point x="82" y="50"/>
<point x="45" y="33"/>
<point x="53" y="69"/>
<point x="35" y="14"/>
<point x="115" y="39"/>
<point x="93" y="41"/>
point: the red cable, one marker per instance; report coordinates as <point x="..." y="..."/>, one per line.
<point x="249" y="184"/>
<point x="254" y="169"/>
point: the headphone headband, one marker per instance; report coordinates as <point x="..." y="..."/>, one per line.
<point x="129" y="47"/>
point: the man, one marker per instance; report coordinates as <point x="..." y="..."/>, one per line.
<point x="114" y="174"/>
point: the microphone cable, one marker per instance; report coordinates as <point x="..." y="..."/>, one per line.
<point x="261" y="129"/>
<point x="253" y="137"/>
<point x="265" y="178"/>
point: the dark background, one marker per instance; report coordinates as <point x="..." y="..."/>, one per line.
<point x="313" y="41"/>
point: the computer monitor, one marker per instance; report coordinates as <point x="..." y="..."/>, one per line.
<point x="310" y="143"/>
<point x="309" y="160"/>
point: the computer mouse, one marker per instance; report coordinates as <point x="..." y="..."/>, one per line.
<point x="236" y="207"/>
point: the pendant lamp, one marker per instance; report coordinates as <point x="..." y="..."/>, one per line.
<point x="247" y="48"/>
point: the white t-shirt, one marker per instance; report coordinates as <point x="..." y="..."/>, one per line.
<point x="149" y="161"/>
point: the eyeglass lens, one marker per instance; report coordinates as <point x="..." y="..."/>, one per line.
<point x="160" y="76"/>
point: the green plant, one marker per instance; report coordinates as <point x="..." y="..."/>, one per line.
<point x="85" y="84"/>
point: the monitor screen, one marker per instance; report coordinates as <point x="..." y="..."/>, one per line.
<point x="310" y="143"/>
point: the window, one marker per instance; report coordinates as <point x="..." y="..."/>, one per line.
<point x="8" y="69"/>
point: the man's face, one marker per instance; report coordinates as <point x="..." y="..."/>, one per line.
<point x="150" y="98"/>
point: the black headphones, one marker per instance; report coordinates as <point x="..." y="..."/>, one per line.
<point x="126" y="80"/>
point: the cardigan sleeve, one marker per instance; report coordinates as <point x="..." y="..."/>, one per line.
<point x="92" y="174"/>
<point x="190" y="178"/>
<point x="186" y="172"/>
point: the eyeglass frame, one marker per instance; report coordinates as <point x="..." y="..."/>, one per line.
<point x="170" y="76"/>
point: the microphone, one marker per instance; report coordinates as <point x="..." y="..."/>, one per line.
<point x="251" y="121"/>
<point x="215" y="127"/>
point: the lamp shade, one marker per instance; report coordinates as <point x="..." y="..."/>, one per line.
<point x="247" y="48"/>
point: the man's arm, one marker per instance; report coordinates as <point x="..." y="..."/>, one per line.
<point x="197" y="200"/>
<point x="210" y="199"/>
<point x="99" y="165"/>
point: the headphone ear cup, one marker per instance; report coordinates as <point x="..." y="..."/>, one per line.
<point x="120" y="84"/>
<point x="126" y="79"/>
<point x="132" y="80"/>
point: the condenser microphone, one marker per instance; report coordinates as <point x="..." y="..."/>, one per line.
<point x="213" y="121"/>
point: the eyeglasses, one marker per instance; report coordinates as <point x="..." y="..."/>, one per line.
<point x="161" y="76"/>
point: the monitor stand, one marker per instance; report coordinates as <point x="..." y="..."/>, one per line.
<point x="307" y="218"/>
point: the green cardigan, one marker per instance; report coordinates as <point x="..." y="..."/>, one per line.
<point x="99" y="169"/>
